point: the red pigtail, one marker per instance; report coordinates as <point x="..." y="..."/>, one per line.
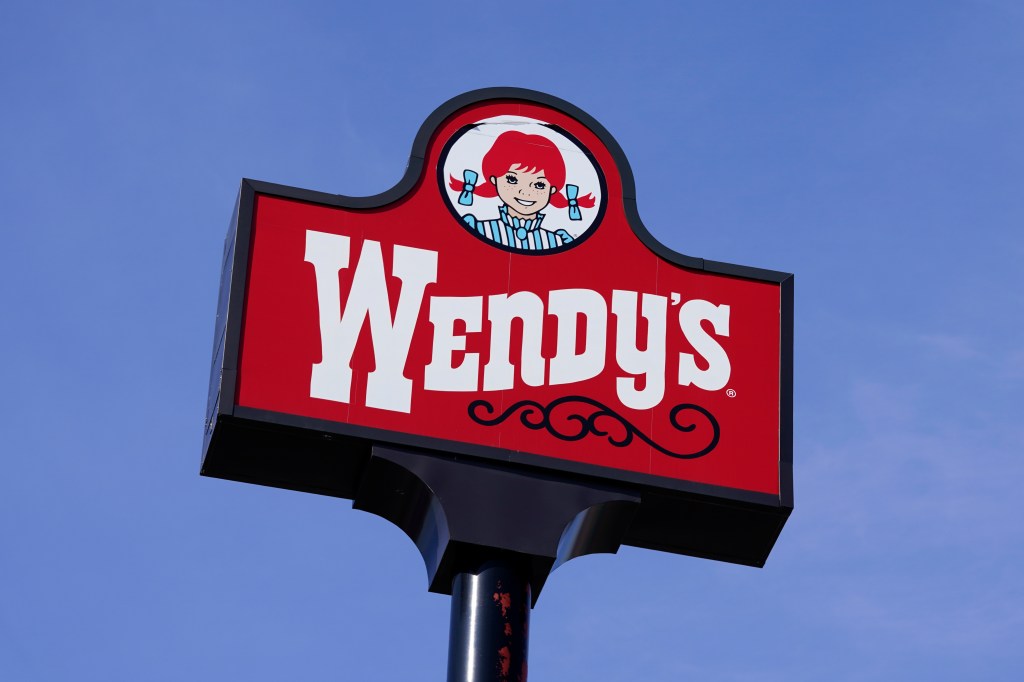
<point x="558" y="200"/>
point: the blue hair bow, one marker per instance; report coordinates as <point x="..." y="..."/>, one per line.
<point x="571" y="192"/>
<point x="469" y="184"/>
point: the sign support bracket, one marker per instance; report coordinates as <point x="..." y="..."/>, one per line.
<point x="463" y="514"/>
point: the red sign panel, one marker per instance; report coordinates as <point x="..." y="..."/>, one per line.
<point x="506" y="301"/>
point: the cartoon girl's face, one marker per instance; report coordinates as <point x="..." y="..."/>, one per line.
<point x="525" y="193"/>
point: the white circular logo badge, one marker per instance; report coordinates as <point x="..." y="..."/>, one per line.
<point x="522" y="185"/>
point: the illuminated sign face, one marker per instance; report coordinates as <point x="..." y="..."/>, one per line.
<point x="505" y="302"/>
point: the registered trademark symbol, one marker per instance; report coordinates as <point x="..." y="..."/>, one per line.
<point x="731" y="393"/>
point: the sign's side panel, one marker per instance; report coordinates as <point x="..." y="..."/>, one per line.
<point x="214" y="407"/>
<point x="786" y="395"/>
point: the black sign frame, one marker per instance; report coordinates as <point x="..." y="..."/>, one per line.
<point x="335" y="459"/>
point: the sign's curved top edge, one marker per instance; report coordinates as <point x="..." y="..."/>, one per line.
<point x="417" y="159"/>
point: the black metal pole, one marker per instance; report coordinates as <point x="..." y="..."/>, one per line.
<point x="490" y="624"/>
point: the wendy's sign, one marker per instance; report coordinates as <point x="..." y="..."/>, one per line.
<point x="505" y="308"/>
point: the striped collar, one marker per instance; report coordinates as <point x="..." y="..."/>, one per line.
<point x="518" y="224"/>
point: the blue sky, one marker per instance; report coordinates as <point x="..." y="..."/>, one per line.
<point x="875" y="149"/>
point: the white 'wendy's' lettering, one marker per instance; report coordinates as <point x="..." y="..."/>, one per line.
<point x="575" y="359"/>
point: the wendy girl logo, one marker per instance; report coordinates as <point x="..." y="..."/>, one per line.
<point x="522" y="185"/>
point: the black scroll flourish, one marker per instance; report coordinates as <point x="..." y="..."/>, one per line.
<point x="536" y="416"/>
